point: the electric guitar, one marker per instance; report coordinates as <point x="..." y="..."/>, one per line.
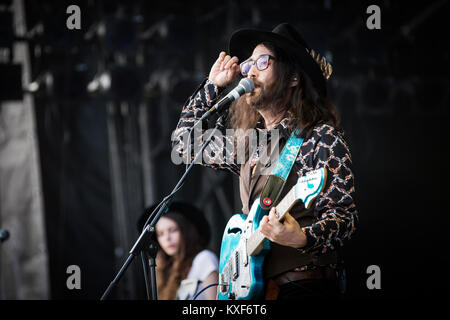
<point x="244" y="247"/>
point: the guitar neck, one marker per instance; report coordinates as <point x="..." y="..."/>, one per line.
<point x="256" y="240"/>
<point x="286" y="204"/>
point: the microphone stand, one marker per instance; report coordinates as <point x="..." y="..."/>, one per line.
<point x="145" y="245"/>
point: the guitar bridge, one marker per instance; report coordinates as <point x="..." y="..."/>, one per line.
<point x="223" y="284"/>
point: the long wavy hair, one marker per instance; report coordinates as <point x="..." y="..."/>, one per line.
<point x="171" y="270"/>
<point x="302" y="104"/>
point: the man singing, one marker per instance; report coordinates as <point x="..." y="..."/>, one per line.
<point x="289" y="95"/>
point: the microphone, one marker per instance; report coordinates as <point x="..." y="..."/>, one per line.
<point x="246" y="85"/>
<point x="4" y="235"/>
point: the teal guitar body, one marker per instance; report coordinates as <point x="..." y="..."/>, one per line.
<point x="236" y="263"/>
<point x="244" y="248"/>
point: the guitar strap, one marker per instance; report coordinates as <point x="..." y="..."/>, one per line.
<point x="277" y="179"/>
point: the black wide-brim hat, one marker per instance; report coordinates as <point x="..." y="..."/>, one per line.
<point x="189" y="212"/>
<point x="285" y="36"/>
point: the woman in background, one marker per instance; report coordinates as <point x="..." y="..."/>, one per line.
<point x="183" y="265"/>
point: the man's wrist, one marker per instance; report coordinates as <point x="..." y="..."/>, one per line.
<point x="303" y="241"/>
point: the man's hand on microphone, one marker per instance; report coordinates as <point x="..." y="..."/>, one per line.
<point x="224" y="70"/>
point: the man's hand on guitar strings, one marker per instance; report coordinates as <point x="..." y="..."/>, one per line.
<point x="286" y="233"/>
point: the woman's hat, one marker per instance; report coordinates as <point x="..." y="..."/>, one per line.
<point x="286" y="37"/>
<point x="189" y="212"/>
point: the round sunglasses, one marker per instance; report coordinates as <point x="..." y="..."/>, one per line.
<point x="262" y="62"/>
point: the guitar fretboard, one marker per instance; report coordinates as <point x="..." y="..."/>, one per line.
<point x="257" y="238"/>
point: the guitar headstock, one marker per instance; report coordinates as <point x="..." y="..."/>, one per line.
<point x="310" y="186"/>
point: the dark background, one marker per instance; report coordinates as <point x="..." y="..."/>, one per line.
<point x="390" y="87"/>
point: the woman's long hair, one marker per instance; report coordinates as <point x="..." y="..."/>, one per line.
<point x="171" y="270"/>
<point x="302" y="103"/>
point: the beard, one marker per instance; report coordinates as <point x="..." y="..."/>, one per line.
<point x="246" y="111"/>
<point x="264" y="99"/>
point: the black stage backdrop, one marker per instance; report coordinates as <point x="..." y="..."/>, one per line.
<point x="390" y="87"/>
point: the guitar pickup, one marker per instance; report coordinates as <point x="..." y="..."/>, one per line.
<point x="246" y="253"/>
<point x="236" y="266"/>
